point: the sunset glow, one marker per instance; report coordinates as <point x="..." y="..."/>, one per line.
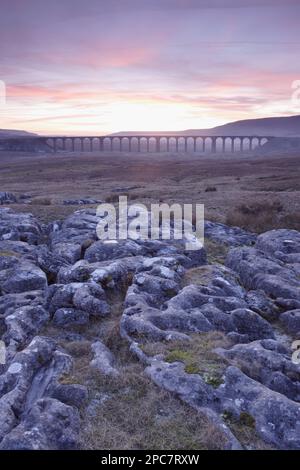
<point x="103" y="66"/>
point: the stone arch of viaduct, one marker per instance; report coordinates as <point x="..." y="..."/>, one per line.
<point x="156" y="143"/>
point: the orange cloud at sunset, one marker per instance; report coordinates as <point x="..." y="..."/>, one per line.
<point x="104" y="68"/>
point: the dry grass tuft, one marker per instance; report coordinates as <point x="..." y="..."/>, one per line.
<point x="244" y="429"/>
<point x="262" y="216"/>
<point x="291" y="220"/>
<point x="216" y="252"/>
<point x="197" y="354"/>
<point x="41" y="201"/>
<point x="256" y="216"/>
<point x="114" y="198"/>
<point x="138" y="415"/>
<point x="9" y="253"/>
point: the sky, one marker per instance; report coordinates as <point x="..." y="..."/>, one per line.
<point x="74" y="67"/>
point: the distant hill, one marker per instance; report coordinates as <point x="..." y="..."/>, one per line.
<point x="277" y="126"/>
<point x="274" y="126"/>
<point x="6" y="133"/>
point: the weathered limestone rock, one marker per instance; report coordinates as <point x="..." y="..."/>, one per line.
<point x="271" y="270"/>
<point x="250" y="264"/>
<point x="272" y="266"/>
<point x="220" y="305"/>
<point x="89" y="298"/>
<point x="31" y="377"/>
<point x="291" y="321"/>
<point x="260" y="303"/>
<point x="115" y="275"/>
<point x="39" y="255"/>
<point x="192" y="389"/>
<point x="112" y="249"/>
<point x="10" y="302"/>
<point x="251" y="324"/>
<point x="277" y="418"/>
<point x="72" y="394"/>
<point x="81" y="202"/>
<point x="7" y="198"/>
<point x="282" y="244"/>
<point x="232" y="236"/>
<point x="76" y="238"/>
<point x="48" y="425"/>
<point x="65" y="317"/>
<point x="74" y="235"/>
<point x="20" y="276"/>
<point x="22" y="325"/>
<point x="63" y="274"/>
<point x="103" y="360"/>
<point x="19" y="227"/>
<point x="156" y="280"/>
<point x="268" y="362"/>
